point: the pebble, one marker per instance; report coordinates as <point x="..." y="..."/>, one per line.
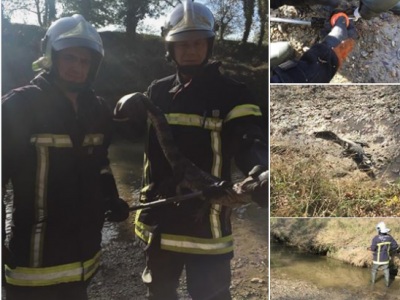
<point x="257" y="280"/>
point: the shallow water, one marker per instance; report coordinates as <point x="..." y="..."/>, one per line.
<point x="325" y="272"/>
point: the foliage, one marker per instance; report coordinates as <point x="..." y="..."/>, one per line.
<point x="97" y="12"/>
<point x="306" y="188"/>
<point x="227" y="14"/>
<point x="45" y="10"/>
<point x="129" y="13"/>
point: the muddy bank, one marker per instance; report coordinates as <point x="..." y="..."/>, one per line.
<point x="376" y="54"/>
<point x="370" y="114"/>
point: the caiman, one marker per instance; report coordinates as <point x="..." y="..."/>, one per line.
<point x="352" y="149"/>
<point x="186" y="174"/>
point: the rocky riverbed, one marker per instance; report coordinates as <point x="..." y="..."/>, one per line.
<point x="376" y="54"/>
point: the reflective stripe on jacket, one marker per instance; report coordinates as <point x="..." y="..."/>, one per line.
<point x="56" y="160"/>
<point x="209" y="118"/>
<point x="382" y="245"/>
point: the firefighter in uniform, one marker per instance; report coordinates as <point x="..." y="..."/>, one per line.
<point x="56" y="133"/>
<point x="383" y="245"/>
<point x="213" y="120"/>
<point x="322" y="61"/>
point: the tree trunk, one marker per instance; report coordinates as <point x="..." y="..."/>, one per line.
<point x="131" y="21"/>
<point x="248" y="9"/>
<point x="262" y="12"/>
<point x="52" y="11"/>
<point x="39" y="14"/>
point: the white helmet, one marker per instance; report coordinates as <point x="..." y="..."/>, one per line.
<point x="189" y="21"/>
<point x="65" y="33"/>
<point x="381" y="227"/>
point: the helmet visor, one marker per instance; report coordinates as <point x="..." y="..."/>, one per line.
<point x="189" y="35"/>
<point x="77" y="42"/>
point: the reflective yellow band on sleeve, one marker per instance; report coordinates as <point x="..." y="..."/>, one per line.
<point x="243" y="111"/>
<point x="23" y="276"/>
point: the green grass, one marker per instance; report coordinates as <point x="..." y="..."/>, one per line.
<point x="304" y="186"/>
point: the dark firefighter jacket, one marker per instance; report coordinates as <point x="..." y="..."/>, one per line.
<point x="57" y="162"/>
<point x="213" y="119"/>
<point x="382" y="245"/>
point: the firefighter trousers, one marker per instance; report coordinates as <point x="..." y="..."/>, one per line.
<point x="207" y="277"/>
<point x="385" y="269"/>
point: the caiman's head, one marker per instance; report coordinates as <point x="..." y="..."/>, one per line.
<point x="327" y="135"/>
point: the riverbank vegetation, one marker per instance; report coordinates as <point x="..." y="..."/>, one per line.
<point x="339" y="238"/>
<point x="305" y="185"/>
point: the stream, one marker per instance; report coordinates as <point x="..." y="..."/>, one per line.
<point x="327" y="273"/>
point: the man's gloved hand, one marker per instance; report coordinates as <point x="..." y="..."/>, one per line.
<point x="117" y="210"/>
<point x="260" y="193"/>
<point x="341" y="38"/>
<point x="373" y="8"/>
<point x="257" y="185"/>
<point x="131" y="107"/>
<point x="216" y="190"/>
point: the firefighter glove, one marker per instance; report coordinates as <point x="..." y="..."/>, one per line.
<point x="131" y="107"/>
<point x="341" y="38"/>
<point x="117" y="210"/>
<point x="260" y="188"/>
<point x="216" y="190"/>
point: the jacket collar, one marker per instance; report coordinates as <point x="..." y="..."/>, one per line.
<point x="208" y="73"/>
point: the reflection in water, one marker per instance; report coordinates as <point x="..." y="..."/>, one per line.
<point x="324" y="272"/>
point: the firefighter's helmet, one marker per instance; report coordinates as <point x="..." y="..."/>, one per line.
<point x="381" y="227"/>
<point x="69" y="32"/>
<point x="189" y="21"/>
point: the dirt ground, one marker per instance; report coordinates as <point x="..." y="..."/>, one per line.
<point x="369" y="114"/>
<point x="376" y="54"/>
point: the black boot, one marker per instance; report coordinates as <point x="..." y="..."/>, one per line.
<point x="373" y="278"/>
<point x="396" y="9"/>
